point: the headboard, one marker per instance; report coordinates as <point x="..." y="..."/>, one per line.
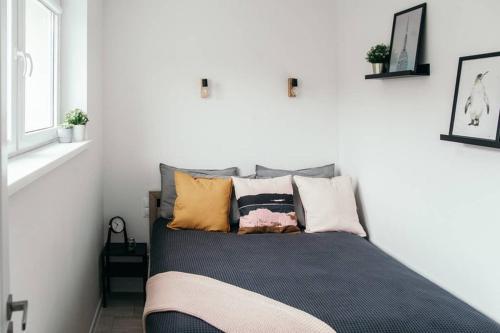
<point x="154" y="208"/>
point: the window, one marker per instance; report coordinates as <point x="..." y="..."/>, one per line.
<point x="33" y="114"/>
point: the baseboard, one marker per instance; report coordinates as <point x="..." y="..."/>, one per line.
<point x="96" y="316"/>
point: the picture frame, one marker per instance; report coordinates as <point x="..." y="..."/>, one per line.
<point x="406" y="39"/>
<point x="475" y="117"/>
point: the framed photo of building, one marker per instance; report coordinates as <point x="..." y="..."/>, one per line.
<point x="476" y="104"/>
<point x="407" y="33"/>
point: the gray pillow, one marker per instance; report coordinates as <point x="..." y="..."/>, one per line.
<point x="326" y="171"/>
<point x="168" y="193"/>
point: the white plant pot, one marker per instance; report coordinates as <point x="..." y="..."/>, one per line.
<point x="78" y="133"/>
<point x="378" y="68"/>
<point x="65" y="134"/>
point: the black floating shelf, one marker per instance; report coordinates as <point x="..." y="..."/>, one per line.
<point x="471" y="141"/>
<point x="422" y="70"/>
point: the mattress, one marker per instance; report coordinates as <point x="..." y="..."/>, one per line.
<point x="339" y="278"/>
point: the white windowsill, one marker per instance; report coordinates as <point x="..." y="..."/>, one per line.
<point x="28" y="167"/>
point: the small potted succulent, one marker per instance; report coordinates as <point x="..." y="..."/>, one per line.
<point x="65" y="132"/>
<point x="78" y="119"/>
<point x="378" y="55"/>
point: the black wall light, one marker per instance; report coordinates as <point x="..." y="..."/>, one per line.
<point x="204" y="88"/>
<point x="292" y="84"/>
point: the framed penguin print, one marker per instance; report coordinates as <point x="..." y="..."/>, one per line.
<point x="476" y="104"/>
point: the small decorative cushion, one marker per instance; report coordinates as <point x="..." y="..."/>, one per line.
<point x="235" y="213"/>
<point x="168" y="191"/>
<point x="266" y="205"/>
<point x="201" y="203"/>
<point x="329" y="204"/>
<point x="326" y="171"/>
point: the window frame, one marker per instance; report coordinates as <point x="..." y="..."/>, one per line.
<point x="20" y="140"/>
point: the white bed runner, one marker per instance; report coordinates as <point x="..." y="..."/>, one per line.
<point x="227" y="307"/>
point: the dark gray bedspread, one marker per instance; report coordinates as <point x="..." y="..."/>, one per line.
<point x="340" y="278"/>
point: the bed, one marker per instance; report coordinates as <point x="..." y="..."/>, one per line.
<point x="339" y="278"/>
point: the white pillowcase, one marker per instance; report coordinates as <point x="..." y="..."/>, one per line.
<point x="329" y="204"/>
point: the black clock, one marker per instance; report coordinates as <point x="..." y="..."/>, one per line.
<point x="117" y="226"/>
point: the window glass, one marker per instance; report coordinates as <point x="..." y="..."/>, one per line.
<point x="39" y="80"/>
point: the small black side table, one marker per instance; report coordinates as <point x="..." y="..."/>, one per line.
<point x="111" y="269"/>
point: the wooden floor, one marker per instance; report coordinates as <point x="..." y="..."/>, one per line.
<point x="122" y="315"/>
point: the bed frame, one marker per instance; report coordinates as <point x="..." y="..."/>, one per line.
<point x="154" y="208"/>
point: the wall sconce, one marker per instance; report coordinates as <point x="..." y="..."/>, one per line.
<point x="292" y="84"/>
<point x="204" y="88"/>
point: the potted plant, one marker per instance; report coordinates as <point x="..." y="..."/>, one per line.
<point x="78" y="119"/>
<point x="378" y="55"/>
<point x="65" y="132"/>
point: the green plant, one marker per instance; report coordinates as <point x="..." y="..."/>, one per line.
<point x="66" y="125"/>
<point x="76" y="117"/>
<point x="378" y="54"/>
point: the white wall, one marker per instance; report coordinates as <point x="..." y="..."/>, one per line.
<point x="73" y="56"/>
<point x="431" y="204"/>
<point x="156" y="53"/>
<point x="56" y="222"/>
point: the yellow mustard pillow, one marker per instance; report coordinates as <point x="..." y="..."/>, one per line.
<point x="202" y="203"/>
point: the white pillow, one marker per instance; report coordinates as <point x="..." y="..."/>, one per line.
<point x="329" y="204"/>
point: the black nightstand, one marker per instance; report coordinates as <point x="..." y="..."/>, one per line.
<point x="109" y="269"/>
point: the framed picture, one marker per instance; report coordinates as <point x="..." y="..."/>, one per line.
<point x="407" y="32"/>
<point x="476" y="105"/>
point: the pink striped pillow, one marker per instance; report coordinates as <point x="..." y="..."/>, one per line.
<point x="265" y="205"/>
